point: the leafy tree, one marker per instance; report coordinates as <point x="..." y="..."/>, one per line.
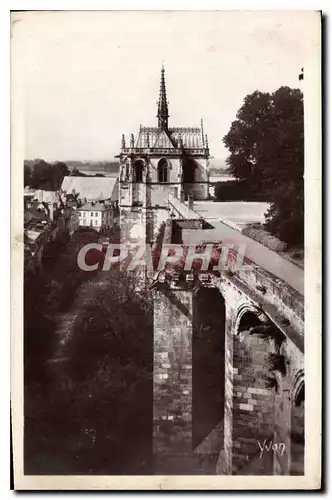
<point x="237" y="190"/>
<point x="44" y="175"/>
<point x="266" y="144"/>
<point x="60" y="171"/>
<point x="111" y="356"/>
<point x="96" y="417"/>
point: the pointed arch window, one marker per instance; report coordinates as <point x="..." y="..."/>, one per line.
<point x="163" y="170"/>
<point x="138" y="171"/>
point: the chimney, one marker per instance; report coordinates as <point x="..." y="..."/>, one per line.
<point x="191" y="201"/>
<point x="51" y="211"/>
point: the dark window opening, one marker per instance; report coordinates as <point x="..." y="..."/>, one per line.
<point x="138" y="171"/>
<point x="208" y="362"/>
<point x="163" y="170"/>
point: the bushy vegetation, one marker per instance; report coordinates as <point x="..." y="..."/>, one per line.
<point x="49" y="293"/>
<point x="77" y="173"/>
<point x="266" y="144"/>
<point x="92" y="412"/>
<point x="237" y="190"/>
<point x="40" y="174"/>
<point x="258" y="233"/>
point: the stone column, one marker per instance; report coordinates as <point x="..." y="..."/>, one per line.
<point x="224" y="465"/>
<point x="172" y="379"/>
<point x="191" y="202"/>
<point x="283" y="415"/>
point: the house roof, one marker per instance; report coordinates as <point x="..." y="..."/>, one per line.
<point x="46" y="196"/>
<point x="92" y="188"/>
<point x="28" y="191"/>
<point x="156" y="139"/>
<point x="190" y="138"/>
<point x="95" y="207"/>
<point x="33" y="214"/>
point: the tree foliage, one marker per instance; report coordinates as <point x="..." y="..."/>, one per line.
<point x="266" y="144"/>
<point x="237" y="190"/>
<point x="92" y="412"/>
<point x="40" y="174"/>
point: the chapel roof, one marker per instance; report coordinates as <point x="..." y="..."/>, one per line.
<point x="163" y="137"/>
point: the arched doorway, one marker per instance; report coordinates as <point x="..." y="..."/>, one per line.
<point x="163" y="170"/>
<point x="138" y="168"/>
<point x="208" y="377"/>
<point x="298" y="433"/>
<point x="253" y="398"/>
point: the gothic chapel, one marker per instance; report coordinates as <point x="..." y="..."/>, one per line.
<point x="158" y="162"/>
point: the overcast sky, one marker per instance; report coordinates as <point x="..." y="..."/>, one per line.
<point x="89" y="77"/>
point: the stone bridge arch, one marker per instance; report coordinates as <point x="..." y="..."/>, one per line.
<point x="252" y="401"/>
<point x="208" y="376"/>
<point x="250" y="393"/>
<point x="243" y="307"/>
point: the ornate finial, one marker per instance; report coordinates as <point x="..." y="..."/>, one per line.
<point x="206" y="142"/>
<point x="132" y="141"/>
<point x="202" y="131"/>
<point x="123" y="141"/>
<point x="162" y="114"/>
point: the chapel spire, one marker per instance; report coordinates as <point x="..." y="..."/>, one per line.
<point x="162" y="103"/>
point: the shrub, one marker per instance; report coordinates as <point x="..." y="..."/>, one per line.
<point x="258" y="233"/>
<point x="237" y="190"/>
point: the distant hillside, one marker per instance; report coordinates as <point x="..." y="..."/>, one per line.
<point x="108" y="168"/>
<point x="218" y="166"/>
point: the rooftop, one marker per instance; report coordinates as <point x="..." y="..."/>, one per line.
<point x="91" y="188"/>
<point x="163" y="137"/>
<point x="96" y="207"/>
<point x="42" y="196"/>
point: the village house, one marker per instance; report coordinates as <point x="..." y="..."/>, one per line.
<point x="39" y="230"/>
<point x="50" y="216"/>
<point x="45" y="222"/>
<point x="72" y="221"/>
<point x="97" y="215"/>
